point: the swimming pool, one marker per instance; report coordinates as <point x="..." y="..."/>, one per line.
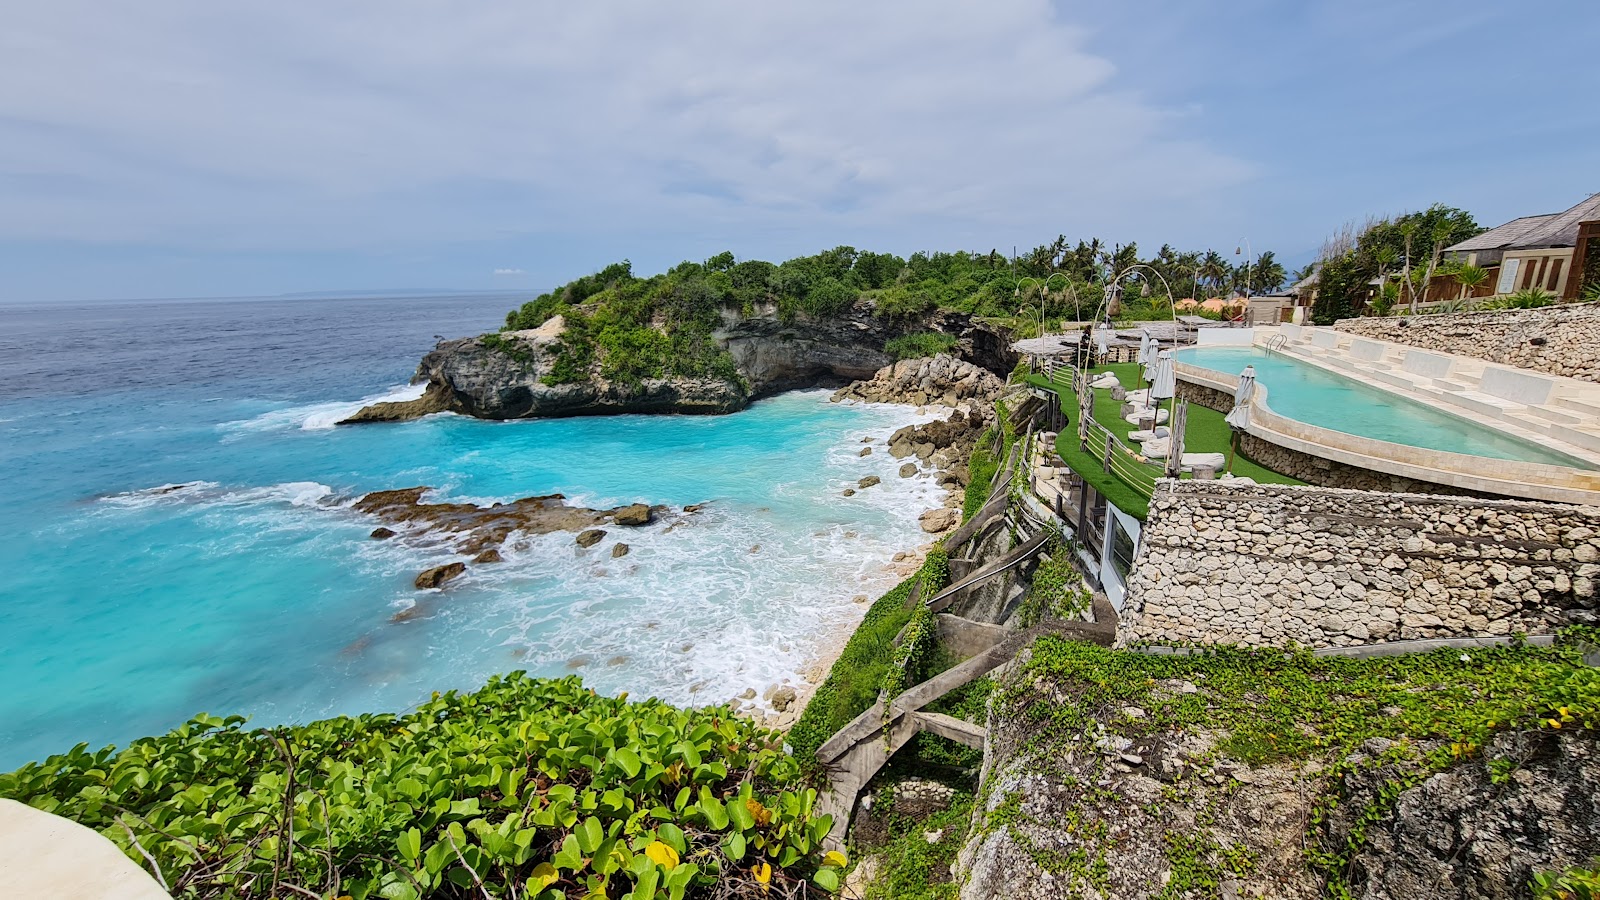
<point x="1317" y="397"/>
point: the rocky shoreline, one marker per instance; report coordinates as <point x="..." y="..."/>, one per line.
<point x="942" y="446"/>
<point x="938" y="449"/>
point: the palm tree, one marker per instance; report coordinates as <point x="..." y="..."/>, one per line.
<point x="1469" y="277"/>
<point x="1214" y="270"/>
<point x="1268" y="274"/>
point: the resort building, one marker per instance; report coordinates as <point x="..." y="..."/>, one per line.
<point x="1556" y="252"/>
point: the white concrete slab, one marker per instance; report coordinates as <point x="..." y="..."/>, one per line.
<point x="1324" y="339"/>
<point x="1428" y="365"/>
<point x="46" y="857"/>
<point x="1365" y="350"/>
<point x="1526" y="388"/>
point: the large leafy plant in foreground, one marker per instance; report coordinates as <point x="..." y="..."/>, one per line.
<point x="527" y="788"/>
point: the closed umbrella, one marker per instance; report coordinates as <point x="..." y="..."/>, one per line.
<point x="1147" y="352"/>
<point x="1238" y="418"/>
<point x="1164" y="383"/>
<point x="1102" y="338"/>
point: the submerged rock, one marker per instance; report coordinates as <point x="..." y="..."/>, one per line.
<point x="590" y="537"/>
<point x="490" y="555"/>
<point x="438" y="575"/>
<point x="869" y="481"/>
<point x="473" y="529"/>
<point x="633" y="515"/>
<point x="382" y="534"/>
<point x="620" y="550"/>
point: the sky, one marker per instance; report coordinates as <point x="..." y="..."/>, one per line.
<point x="174" y="148"/>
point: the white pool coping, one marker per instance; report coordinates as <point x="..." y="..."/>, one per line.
<point x="1328" y="350"/>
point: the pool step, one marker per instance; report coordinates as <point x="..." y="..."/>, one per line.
<point x="1559" y="416"/>
<point x="1483" y="403"/>
<point x="1586" y="408"/>
<point x="1401" y="380"/>
<point x="1587" y="436"/>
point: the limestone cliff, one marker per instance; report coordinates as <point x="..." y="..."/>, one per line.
<point x="507" y="376"/>
<point x="1269" y="775"/>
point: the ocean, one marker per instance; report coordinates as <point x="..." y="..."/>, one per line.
<point x="175" y="503"/>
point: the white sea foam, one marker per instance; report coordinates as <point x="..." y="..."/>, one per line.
<point x="734" y="597"/>
<point x="293" y="493"/>
<point x="319" y="416"/>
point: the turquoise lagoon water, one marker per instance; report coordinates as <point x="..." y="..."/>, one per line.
<point x="128" y="605"/>
<point x="1318" y="397"/>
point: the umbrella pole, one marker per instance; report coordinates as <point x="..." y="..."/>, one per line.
<point x="1233" y="447"/>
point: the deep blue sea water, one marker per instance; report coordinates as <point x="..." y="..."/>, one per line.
<point x="127" y="606"/>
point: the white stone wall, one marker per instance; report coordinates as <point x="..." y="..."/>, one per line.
<point x="1323" y="567"/>
<point x="1556" y="340"/>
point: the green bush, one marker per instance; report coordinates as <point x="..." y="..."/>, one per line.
<point x="920" y="344"/>
<point x="535" y="788"/>
<point x="853" y="683"/>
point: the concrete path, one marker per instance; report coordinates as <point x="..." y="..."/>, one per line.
<point x="46" y="857"/>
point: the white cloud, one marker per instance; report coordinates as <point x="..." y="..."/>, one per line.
<point x="509" y="272"/>
<point x="257" y="125"/>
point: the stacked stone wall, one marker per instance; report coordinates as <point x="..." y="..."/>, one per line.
<point x="1305" y="466"/>
<point x="1556" y="340"/>
<point x="1270" y="565"/>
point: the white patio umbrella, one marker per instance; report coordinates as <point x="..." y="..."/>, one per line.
<point x="1147" y="352"/>
<point x="1102" y="338"/>
<point x="1238" y="418"/>
<point x="1164" y="383"/>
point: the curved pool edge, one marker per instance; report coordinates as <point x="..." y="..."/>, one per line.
<point x="1533" y="481"/>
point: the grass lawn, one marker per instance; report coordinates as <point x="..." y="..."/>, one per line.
<point x="1207" y="432"/>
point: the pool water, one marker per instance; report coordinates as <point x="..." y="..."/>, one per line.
<point x="1322" y="398"/>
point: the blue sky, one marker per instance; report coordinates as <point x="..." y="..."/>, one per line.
<point x="173" y="148"/>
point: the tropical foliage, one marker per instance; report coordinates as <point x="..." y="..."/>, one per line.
<point x="527" y="788"/>
<point x="628" y="329"/>
<point x="1406" y="251"/>
<point x="920" y="344"/>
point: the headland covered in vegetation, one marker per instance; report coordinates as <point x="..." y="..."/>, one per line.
<point x="708" y="337"/>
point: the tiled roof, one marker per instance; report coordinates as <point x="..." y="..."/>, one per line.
<point x="1552" y="230"/>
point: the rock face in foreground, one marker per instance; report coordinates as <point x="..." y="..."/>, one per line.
<point x="1070" y="813"/>
<point x="508" y="375"/>
<point x="1460" y="835"/>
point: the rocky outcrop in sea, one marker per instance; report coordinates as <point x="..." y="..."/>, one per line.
<point x="508" y="375"/>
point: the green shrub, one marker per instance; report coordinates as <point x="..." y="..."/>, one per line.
<point x="920" y="344"/>
<point x="1576" y="883"/>
<point x="534" y="787"/>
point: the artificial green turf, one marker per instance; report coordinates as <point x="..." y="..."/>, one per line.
<point x="1207" y="432"/>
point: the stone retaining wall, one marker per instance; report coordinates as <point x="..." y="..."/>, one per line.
<point x="1556" y="340"/>
<point x="1304" y="466"/>
<point x="1268" y="565"/>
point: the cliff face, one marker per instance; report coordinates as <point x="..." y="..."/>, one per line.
<point x="1123" y="777"/>
<point x="506" y="378"/>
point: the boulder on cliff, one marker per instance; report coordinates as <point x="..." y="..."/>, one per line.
<point x="941" y="380"/>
